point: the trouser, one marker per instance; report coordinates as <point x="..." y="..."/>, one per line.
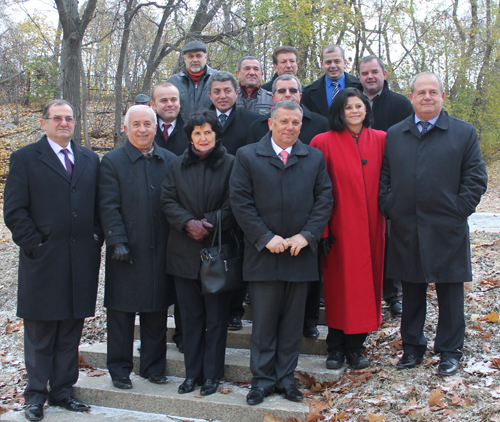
<point x="337" y="340"/>
<point x="392" y="290"/>
<point x="236" y="308"/>
<point x="51" y="355"/>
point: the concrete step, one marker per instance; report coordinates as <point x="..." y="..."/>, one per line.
<point x="163" y="399"/>
<point x="236" y="364"/>
<point x="241" y="339"/>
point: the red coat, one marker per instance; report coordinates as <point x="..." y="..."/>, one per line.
<point x="353" y="271"/>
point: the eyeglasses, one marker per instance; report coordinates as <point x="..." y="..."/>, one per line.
<point x="58" y="120"/>
<point x="284" y="90"/>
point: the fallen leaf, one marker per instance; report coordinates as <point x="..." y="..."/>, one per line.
<point x="495" y="363"/>
<point x="455" y="398"/>
<point x="315" y="410"/>
<point x="436" y="396"/>
<point x="342" y="416"/>
<point x="485" y="336"/>
<point x="8" y="329"/>
<point x="316" y="388"/>
<point x="226" y="391"/>
<point x="269" y="417"/>
<point x="82" y="364"/>
<point x="491" y="317"/>
<point x="96" y="373"/>
<point x="376" y="401"/>
<point x="370" y="417"/>
<point x="305" y="379"/>
<point x="393" y="361"/>
<point x="450" y="413"/>
<point x="412" y="406"/>
<point x="477" y="327"/>
<point x="487" y="347"/>
<point x="199" y="397"/>
<point x="293" y="419"/>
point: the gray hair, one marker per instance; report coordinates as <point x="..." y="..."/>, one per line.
<point x="137" y="108"/>
<point x="248" y="58"/>
<point x="286" y="77"/>
<point x="412" y="84"/>
<point x="287" y="105"/>
<point x="332" y="48"/>
<point x="222" y="77"/>
<point x="369" y="59"/>
<point x="46" y="111"/>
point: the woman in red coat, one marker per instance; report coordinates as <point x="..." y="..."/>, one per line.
<point x="353" y="270"/>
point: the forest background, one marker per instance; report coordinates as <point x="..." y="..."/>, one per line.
<point x="99" y="54"/>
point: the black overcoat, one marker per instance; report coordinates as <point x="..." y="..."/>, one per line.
<point x="429" y="185"/>
<point x="178" y="140"/>
<point x="129" y="203"/>
<point x="312" y="124"/>
<point x="195" y="189"/>
<point x="58" y="279"/>
<point x="268" y="198"/>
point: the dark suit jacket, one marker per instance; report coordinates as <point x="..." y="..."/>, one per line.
<point x="235" y="131"/>
<point x="314" y="96"/>
<point x="268" y="198"/>
<point x="177" y="142"/>
<point x="312" y="124"/>
<point x="43" y="205"/>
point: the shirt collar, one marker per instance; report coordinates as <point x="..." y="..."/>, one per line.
<point x="57" y="148"/>
<point x="161" y="123"/>
<point x="227" y="113"/>
<point x="340" y="80"/>
<point x="278" y="149"/>
<point x="431" y="121"/>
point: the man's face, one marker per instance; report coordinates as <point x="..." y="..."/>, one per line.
<point x="284" y="91"/>
<point x="195" y="61"/>
<point x="427" y="98"/>
<point x="333" y="64"/>
<point x="250" y="74"/>
<point x="142" y="128"/>
<point x="166" y="103"/>
<point x="285" y="127"/>
<point x="287" y="64"/>
<point x="223" y="95"/>
<point x="372" y="77"/>
<point x="57" y="127"/>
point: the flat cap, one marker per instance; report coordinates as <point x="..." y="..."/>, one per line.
<point x="142" y="99"/>
<point x="194" y="46"/>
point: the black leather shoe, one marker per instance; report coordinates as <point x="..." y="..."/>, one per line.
<point x="396" y="308"/>
<point x="209" y="386"/>
<point x="180" y="345"/>
<point x="448" y="366"/>
<point x="291" y="393"/>
<point x="408" y="361"/>
<point x="158" y="378"/>
<point x="257" y="395"/>
<point x="123" y="383"/>
<point x="335" y="360"/>
<point x="70" y="403"/>
<point x="34" y="412"/>
<point x="357" y="360"/>
<point x="188" y="385"/>
<point x="311" y="332"/>
<point x="234" y="323"/>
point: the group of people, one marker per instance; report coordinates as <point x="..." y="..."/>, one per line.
<point x="307" y="177"/>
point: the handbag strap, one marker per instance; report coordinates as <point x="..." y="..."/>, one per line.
<point x="218" y="229"/>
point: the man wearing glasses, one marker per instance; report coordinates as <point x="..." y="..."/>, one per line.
<point x="51" y="209"/>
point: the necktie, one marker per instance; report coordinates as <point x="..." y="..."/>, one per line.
<point x="336" y="89"/>
<point x="67" y="161"/>
<point x="284" y="155"/>
<point x="223" y="118"/>
<point x="425" y="126"/>
<point x="165" y="131"/>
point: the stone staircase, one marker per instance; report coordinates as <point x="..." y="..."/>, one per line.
<point x="228" y="405"/>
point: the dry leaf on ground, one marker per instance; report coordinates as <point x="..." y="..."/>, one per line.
<point x="269" y="417"/>
<point x="436" y="396"/>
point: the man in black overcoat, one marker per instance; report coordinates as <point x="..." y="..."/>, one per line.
<point x="51" y="209"/>
<point x="281" y="196"/>
<point x="136" y="244"/>
<point x="432" y="179"/>
<point x="319" y="95"/>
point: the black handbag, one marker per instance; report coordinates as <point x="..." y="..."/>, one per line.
<point x="221" y="265"/>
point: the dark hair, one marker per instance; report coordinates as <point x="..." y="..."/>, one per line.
<point x="199" y="119"/>
<point x="248" y="58"/>
<point x="46" y="112"/>
<point x="284" y="49"/>
<point x="222" y="77"/>
<point x="286" y="77"/>
<point x="369" y="59"/>
<point x="331" y="49"/>
<point x="336" y="116"/>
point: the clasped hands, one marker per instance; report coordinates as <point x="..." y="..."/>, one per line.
<point x="197" y="229"/>
<point x="277" y="244"/>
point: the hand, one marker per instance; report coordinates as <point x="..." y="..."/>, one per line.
<point x="277" y="244"/>
<point x="121" y="252"/>
<point x="296" y="243"/>
<point x="196" y="230"/>
<point x="206" y="223"/>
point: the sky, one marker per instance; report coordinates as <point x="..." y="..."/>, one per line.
<point x="36" y="7"/>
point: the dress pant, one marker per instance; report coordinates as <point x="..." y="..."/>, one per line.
<point x="120" y="358"/>
<point x="236" y="308"/>
<point x="337" y="340"/>
<point x="451" y="323"/>
<point x="51" y="355"/>
<point x="392" y="290"/>
<point x="204" y="323"/>
<point x="278" y="318"/>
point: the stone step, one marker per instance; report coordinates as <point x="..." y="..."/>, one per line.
<point x="236" y="364"/>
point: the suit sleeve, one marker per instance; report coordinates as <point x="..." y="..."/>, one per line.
<point x="17" y="205"/>
<point x="384" y="192"/>
<point x="110" y="201"/>
<point x="97" y="219"/>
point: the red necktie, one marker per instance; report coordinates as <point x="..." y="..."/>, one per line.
<point x="284" y="155"/>
<point x="165" y="131"/>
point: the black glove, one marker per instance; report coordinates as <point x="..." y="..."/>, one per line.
<point x="325" y="244"/>
<point x="121" y="252"/>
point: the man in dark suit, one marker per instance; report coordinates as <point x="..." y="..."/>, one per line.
<point x="170" y="132"/>
<point x="388" y="108"/>
<point x="285" y="62"/>
<point x="51" y="209"/>
<point x="432" y="179"/>
<point x="136" y="247"/>
<point x="319" y="95"/>
<point x="281" y="196"/>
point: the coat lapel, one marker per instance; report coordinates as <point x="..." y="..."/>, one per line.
<point x="80" y="162"/>
<point x="318" y="95"/>
<point x="48" y="157"/>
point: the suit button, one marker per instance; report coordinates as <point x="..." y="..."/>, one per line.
<point x="73" y="190"/>
<point x="73" y="240"/>
<point x="74" y="214"/>
<point x="152" y="187"/>
<point x="110" y="231"/>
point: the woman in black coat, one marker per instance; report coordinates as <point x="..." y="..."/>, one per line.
<point x="196" y="186"/>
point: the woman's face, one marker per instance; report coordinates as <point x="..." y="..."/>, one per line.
<point x="203" y="137"/>
<point x="354" y="113"/>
